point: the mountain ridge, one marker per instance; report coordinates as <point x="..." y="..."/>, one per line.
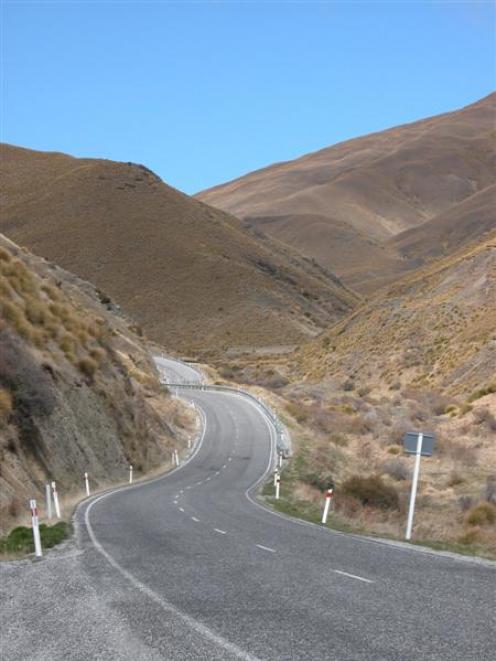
<point x="376" y="186"/>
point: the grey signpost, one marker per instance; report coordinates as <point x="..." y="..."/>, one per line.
<point x="419" y="444"/>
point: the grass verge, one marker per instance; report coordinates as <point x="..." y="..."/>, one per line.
<point x="308" y="511"/>
<point x="20" y="540"/>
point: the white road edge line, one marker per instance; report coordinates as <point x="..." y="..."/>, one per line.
<point x="222" y="532"/>
<point x="358" y="578"/>
<point x="265" y="548"/>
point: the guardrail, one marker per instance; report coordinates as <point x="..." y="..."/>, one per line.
<point x="283" y="441"/>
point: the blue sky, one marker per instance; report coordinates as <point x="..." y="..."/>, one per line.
<point x="202" y="92"/>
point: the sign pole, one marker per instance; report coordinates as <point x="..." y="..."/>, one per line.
<point x="36" y="528"/>
<point x="413" y="493"/>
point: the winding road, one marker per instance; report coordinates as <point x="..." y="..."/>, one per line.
<point x="246" y="583"/>
<point x="191" y="566"/>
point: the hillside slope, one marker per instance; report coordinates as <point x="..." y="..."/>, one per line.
<point x="419" y="355"/>
<point x="193" y="277"/>
<point x="343" y="204"/>
<point x="78" y="390"/>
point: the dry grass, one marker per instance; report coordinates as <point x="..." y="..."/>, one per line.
<point x="54" y="338"/>
<point x="239" y="291"/>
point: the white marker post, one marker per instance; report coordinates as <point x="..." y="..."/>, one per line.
<point x="328" y="500"/>
<point x="276" y="474"/>
<point x="48" y="502"/>
<point x="36" y="528"/>
<point x="278" y="485"/>
<point x="130" y="473"/>
<point x="56" y="500"/>
<point x="280" y="460"/>
<point x="87" y="484"/>
<point x="413" y="493"/>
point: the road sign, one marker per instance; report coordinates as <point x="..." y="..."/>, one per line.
<point x="419" y="444"/>
<point x="410" y="440"/>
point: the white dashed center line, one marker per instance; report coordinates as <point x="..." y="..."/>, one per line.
<point x="358" y="578"/>
<point x="181" y="509"/>
<point x="193" y="518"/>
<point x="265" y="548"/>
<point x="222" y="532"/>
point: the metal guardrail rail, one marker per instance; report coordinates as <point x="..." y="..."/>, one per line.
<point x="283" y="441"/>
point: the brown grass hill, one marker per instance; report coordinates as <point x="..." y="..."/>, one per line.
<point x="345" y="204"/>
<point x="78" y="390"/>
<point x="420" y="355"/>
<point x="434" y="328"/>
<point x="194" y="278"/>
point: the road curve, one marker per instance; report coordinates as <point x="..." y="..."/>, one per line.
<point x="198" y="570"/>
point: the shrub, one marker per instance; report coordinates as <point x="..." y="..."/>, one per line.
<point x="488" y="390"/>
<point x="455" y="479"/>
<point x="20" y="539"/>
<point x="396" y="469"/>
<point x="12" y="314"/>
<point x="67" y="344"/>
<point x="298" y="412"/>
<point x="371" y="491"/>
<point x="36" y="313"/>
<point x="98" y="355"/>
<point x="339" y="439"/>
<point x="5" y="255"/>
<point x="464" y="454"/>
<point x="483" y="514"/>
<point x="320" y="482"/>
<point x="87" y="366"/>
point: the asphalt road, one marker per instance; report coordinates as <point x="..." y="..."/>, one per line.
<point x="189" y="566"/>
<point x="256" y="585"/>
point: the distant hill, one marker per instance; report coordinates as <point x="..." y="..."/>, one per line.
<point x="433" y="329"/>
<point x="348" y="205"/>
<point x="78" y="390"/>
<point x="193" y="277"/>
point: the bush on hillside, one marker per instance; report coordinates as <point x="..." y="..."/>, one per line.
<point x="483" y="514"/>
<point x="396" y="469"/>
<point x="371" y="491"/>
